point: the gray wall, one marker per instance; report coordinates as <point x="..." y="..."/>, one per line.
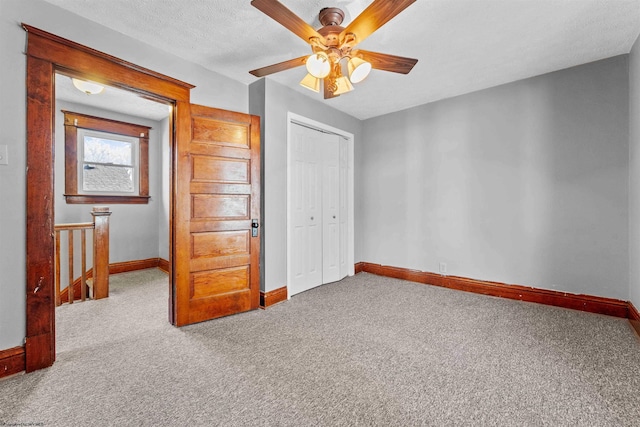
<point x="133" y="229"/>
<point x="257" y="108"/>
<point x="634" y="175"/>
<point x="279" y="100"/>
<point x="212" y="89"/>
<point x="525" y="183"/>
<point x="163" y="208"/>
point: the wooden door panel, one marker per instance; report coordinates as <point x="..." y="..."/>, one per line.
<point x="208" y="131"/>
<point x="210" y="264"/>
<point x="218" y="169"/>
<point x="197" y="226"/>
<point x="213" y="188"/>
<point x="216" y="206"/>
<point x="218" y="259"/>
<point x="220" y="243"/>
<point x="220" y="281"/>
<point x="219" y="150"/>
<point x="212" y="307"/>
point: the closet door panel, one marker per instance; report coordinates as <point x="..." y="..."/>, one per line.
<point x="343" y="206"/>
<point x="305" y="211"/>
<point x="330" y="209"/>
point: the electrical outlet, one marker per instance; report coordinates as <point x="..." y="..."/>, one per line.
<point x="443" y="268"/>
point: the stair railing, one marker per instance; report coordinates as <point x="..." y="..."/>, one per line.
<point x="100" y="270"/>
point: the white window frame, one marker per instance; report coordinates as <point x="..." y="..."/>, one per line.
<point x="135" y="149"/>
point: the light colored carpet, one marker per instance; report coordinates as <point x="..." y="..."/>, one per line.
<point x="364" y="351"/>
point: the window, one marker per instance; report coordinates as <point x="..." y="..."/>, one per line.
<point x="106" y="161"/>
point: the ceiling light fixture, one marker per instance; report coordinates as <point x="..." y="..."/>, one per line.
<point x="330" y="52"/>
<point x="326" y="63"/>
<point x="359" y="69"/>
<point x="343" y="85"/>
<point x="90" y="88"/>
<point x="319" y="65"/>
<point x="334" y="54"/>
<point x="311" y="83"/>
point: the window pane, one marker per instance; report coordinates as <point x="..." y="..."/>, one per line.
<point x="107" y="178"/>
<point x="102" y="150"/>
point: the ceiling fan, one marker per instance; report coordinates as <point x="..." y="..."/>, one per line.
<point x="332" y="45"/>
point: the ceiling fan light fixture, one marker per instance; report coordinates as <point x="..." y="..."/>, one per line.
<point x="332" y="44"/>
<point x="359" y="69"/>
<point x="343" y="85"/>
<point x="318" y="65"/>
<point x="90" y="88"/>
<point x="311" y="83"/>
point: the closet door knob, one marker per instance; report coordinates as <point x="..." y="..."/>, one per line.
<point x="311" y="218"/>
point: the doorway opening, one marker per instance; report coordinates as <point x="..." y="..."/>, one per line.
<point x="214" y="197"/>
<point x="112" y="149"/>
<point x="46" y="55"/>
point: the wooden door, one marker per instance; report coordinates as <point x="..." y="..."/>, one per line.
<point x="217" y="250"/>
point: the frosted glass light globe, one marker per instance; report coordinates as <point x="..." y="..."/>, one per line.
<point x="319" y="65"/>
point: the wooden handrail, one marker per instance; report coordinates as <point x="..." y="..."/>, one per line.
<point x="100" y="269"/>
<point x="77" y="226"/>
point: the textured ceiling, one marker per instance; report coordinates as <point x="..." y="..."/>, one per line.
<point x="462" y="45"/>
<point x="112" y="99"/>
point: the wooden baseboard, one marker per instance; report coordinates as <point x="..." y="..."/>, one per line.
<point x="592" y="304"/>
<point x="163" y="265"/>
<point x="270" y="298"/>
<point x="634" y="317"/>
<point x="116" y="268"/>
<point x="126" y="266"/>
<point x="12" y="361"/>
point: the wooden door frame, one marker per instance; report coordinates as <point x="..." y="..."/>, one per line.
<point x="293" y="118"/>
<point x="46" y="55"/>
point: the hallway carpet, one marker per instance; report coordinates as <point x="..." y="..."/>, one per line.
<point x="364" y="351"/>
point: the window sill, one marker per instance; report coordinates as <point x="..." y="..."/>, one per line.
<point x="91" y="199"/>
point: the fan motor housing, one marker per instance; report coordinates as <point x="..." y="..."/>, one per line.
<point x="331" y="18"/>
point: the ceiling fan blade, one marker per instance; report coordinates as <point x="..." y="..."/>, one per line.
<point x="327" y="93"/>
<point x="386" y="62"/>
<point x="280" y="66"/>
<point x="373" y="17"/>
<point x="279" y="12"/>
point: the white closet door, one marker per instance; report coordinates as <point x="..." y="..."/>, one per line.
<point x="306" y="209"/>
<point x="318" y="209"/>
<point x="331" y="209"/>
<point x="343" y="207"/>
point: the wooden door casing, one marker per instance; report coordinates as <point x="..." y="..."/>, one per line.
<point x="218" y="197"/>
<point x="46" y="55"/>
